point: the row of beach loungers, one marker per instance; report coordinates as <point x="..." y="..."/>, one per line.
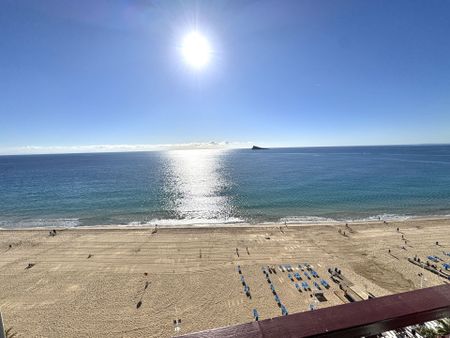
<point x="295" y="277"/>
<point x="305" y="267"/>
<point x="433" y="267"/>
<point x="284" y="311"/>
<point x="437" y="259"/>
<point x="289" y="268"/>
<point x="244" y="284"/>
<point x="304" y="285"/>
<point x="446" y="265"/>
<point x="247" y="291"/>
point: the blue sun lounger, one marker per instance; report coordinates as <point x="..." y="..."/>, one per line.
<point x="446" y="266"/>
<point x="247" y="291"/>
<point x="273" y="289"/>
<point x="317" y="286"/>
<point x="277" y="299"/>
<point x="315" y="274"/>
<point x="255" y="314"/>
<point x="324" y="283"/>
<point x="307" y="275"/>
<point x="298" y="287"/>
<point x="239" y="269"/>
<point x="284" y="312"/>
<point x="433" y="258"/>
<point x="290" y="277"/>
<point x="297" y="276"/>
<point x="305" y="286"/>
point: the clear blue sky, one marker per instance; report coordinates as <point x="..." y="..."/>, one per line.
<point x="283" y="72"/>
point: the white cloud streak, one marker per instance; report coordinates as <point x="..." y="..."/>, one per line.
<point x="103" y="148"/>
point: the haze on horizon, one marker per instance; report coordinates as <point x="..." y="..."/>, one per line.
<point x="291" y="73"/>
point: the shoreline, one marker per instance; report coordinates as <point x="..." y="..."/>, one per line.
<point x="242" y="225"/>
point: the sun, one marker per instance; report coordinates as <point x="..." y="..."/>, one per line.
<point x="196" y="50"/>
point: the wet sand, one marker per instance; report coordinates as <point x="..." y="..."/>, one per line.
<point x="122" y="282"/>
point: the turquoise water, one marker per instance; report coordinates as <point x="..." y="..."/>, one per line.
<point x="187" y="187"/>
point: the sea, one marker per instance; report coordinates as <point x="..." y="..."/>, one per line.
<point x="225" y="186"/>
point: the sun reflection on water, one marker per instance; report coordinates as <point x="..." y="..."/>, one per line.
<point x="196" y="186"/>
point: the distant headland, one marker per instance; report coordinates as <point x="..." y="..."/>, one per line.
<point x="258" y="148"/>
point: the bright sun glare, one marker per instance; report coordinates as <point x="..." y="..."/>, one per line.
<point x="196" y="50"/>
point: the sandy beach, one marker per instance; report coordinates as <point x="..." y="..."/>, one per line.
<point x="124" y="282"/>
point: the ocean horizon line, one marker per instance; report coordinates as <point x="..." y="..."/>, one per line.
<point x="224" y="145"/>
